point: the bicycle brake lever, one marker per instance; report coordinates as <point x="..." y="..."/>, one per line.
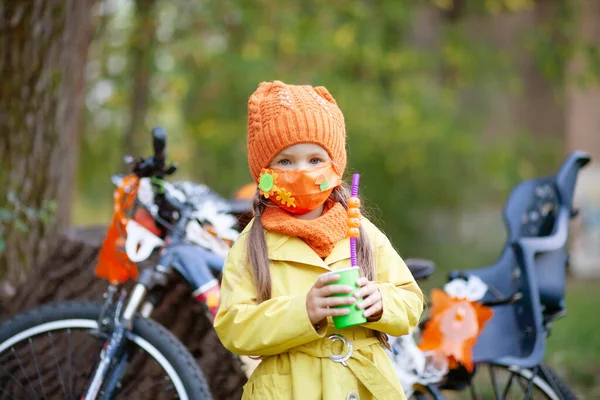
<point x="172" y="168"/>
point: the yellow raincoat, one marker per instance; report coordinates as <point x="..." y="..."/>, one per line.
<point x="296" y="363"/>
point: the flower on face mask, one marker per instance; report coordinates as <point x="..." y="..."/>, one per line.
<point x="267" y="183"/>
<point x="322" y="182"/>
<point x="286" y="197"/>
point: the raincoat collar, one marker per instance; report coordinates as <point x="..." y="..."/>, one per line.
<point x="282" y="247"/>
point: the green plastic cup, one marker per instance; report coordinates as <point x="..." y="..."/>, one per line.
<point x="348" y="277"/>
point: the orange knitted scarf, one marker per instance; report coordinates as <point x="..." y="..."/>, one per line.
<point x="321" y="233"/>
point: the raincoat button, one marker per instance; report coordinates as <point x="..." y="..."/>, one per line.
<point x="352" y="396"/>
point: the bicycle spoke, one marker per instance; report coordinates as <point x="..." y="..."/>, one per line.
<point x="26" y="375"/>
<point x="69" y="357"/>
<point x="473" y="392"/>
<point x="508" y="384"/>
<point x="523" y="385"/>
<point x="530" y="385"/>
<point x="493" y="377"/>
<point x="11" y="376"/>
<point x="11" y="396"/>
<point x="147" y="389"/>
<point x="511" y="382"/>
<point x="87" y="374"/>
<point x="139" y="359"/>
<point x="62" y="382"/>
<point x="548" y="377"/>
<point x="37" y="368"/>
<point x="131" y="385"/>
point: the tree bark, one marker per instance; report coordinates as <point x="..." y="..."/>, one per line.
<point x="583" y="133"/>
<point x="538" y="109"/>
<point x="535" y="108"/>
<point x="142" y="60"/>
<point x="583" y="122"/>
<point x="43" y="51"/>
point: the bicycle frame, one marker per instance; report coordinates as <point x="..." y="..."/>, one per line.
<point x="118" y="267"/>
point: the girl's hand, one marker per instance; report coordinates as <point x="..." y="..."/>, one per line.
<point x="320" y="305"/>
<point x="371" y="295"/>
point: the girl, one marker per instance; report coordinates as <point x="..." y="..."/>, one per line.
<point x="275" y="302"/>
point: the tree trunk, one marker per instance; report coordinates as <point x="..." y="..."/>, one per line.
<point x="535" y="108"/>
<point x="538" y="109"/>
<point x="142" y="59"/>
<point x="43" y="50"/>
<point x="583" y="133"/>
<point x="583" y="126"/>
<point x="68" y="273"/>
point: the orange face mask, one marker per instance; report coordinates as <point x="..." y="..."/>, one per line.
<point x="298" y="191"/>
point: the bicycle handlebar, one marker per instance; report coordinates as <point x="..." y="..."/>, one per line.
<point x="154" y="166"/>
<point x="159" y="143"/>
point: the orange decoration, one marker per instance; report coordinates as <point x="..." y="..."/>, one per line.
<point x="354" y="212"/>
<point x="320" y="180"/>
<point x="453" y="328"/>
<point x="353" y="232"/>
<point x="267" y="183"/>
<point x="285" y="198"/>
<point x="113" y="263"/>
<point x="353" y="222"/>
<point x="353" y="202"/>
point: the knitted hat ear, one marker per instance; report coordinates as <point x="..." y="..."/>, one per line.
<point x="324" y="93"/>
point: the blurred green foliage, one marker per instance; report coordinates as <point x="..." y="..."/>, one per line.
<point x="413" y="115"/>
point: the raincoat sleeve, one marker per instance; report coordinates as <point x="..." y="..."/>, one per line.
<point x="247" y="328"/>
<point x="401" y="296"/>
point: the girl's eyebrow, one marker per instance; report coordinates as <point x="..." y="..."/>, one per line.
<point x="283" y="155"/>
<point x="319" y="154"/>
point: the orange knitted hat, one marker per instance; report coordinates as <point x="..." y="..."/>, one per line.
<point x="281" y="115"/>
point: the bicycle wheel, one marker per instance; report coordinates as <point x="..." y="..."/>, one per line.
<point x="501" y="382"/>
<point x="52" y="351"/>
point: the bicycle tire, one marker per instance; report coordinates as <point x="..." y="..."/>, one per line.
<point x="546" y="382"/>
<point x="566" y="392"/>
<point x="158" y="342"/>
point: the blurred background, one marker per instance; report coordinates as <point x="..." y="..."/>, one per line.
<point x="448" y="105"/>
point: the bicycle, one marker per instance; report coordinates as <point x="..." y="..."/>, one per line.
<point x="421" y="373"/>
<point x="524" y="290"/>
<point x="114" y="349"/>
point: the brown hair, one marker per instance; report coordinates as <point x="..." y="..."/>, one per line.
<point x="259" y="260"/>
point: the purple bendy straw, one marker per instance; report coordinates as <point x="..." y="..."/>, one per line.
<point x="354" y="193"/>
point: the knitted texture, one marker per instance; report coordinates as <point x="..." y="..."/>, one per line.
<point x="281" y="115"/>
<point x="321" y="233"/>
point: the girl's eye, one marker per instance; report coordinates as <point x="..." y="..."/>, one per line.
<point x="285" y="161"/>
<point x="315" y="160"/>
